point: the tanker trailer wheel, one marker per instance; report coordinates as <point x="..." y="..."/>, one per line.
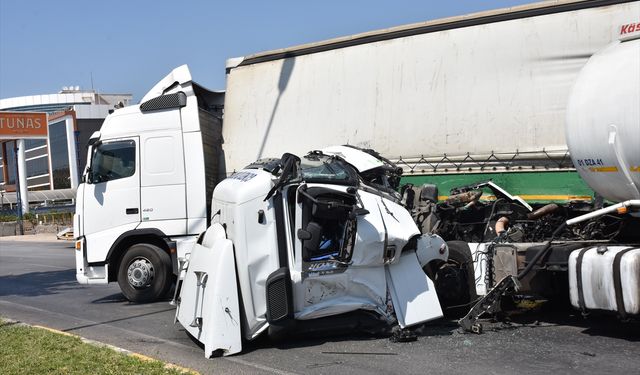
<point x="144" y="274"/>
<point x="455" y="281"/>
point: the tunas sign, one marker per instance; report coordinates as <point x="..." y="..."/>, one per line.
<point x="23" y="125"/>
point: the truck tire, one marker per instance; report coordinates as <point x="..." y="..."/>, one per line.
<point x="144" y="274"/>
<point x="455" y="280"/>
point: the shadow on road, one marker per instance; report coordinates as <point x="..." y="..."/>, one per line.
<point x="595" y="324"/>
<point x="599" y="325"/>
<point x="39" y="283"/>
<point x="113" y="298"/>
<point x="603" y="325"/>
<point x="297" y="341"/>
<point x="119" y="298"/>
<point x="327" y="332"/>
<point x="629" y="331"/>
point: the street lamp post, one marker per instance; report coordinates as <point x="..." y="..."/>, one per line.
<point x="18" y="195"/>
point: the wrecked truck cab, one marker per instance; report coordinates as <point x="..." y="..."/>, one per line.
<point x="373" y="169"/>
<point x="298" y="240"/>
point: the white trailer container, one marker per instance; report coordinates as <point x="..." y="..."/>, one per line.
<point x="439" y="97"/>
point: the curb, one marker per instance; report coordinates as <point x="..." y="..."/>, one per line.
<point x="142" y="357"/>
<point x="41" y="237"/>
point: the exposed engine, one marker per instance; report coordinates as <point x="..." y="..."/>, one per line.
<point x="480" y="212"/>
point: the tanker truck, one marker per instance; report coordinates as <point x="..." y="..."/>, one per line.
<point x="603" y="133"/>
<point x="592" y="259"/>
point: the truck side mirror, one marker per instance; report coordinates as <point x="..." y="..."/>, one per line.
<point x="95" y="137"/>
<point x="89" y="176"/>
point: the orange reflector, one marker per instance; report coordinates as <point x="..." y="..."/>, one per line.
<point x="622" y="210"/>
<point x="78" y="245"/>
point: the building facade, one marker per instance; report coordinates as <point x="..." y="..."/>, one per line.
<point x="53" y="161"/>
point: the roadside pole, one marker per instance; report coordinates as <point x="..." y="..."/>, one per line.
<point x="18" y="187"/>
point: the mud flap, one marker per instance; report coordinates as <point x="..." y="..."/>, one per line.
<point x="209" y="307"/>
<point x="412" y="292"/>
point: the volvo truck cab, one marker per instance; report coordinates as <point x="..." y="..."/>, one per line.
<point x="146" y="186"/>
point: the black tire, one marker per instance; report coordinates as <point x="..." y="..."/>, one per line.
<point x="150" y="277"/>
<point x="455" y="280"/>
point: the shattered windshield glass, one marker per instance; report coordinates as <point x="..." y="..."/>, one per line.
<point x="322" y="168"/>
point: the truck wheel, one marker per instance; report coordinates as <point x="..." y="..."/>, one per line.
<point x="455" y="280"/>
<point x="144" y="274"/>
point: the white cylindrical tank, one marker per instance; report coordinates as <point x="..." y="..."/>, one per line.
<point x="603" y="122"/>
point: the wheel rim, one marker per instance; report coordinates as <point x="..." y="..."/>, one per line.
<point x="140" y="272"/>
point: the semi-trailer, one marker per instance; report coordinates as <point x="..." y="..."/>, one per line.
<point x="449" y="101"/>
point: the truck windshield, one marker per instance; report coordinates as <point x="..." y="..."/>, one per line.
<point x="327" y="169"/>
<point x="112" y="161"/>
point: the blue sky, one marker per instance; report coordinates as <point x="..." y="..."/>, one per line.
<point x="129" y="45"/>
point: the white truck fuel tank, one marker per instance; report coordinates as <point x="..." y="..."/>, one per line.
<point x="606" y="278"/>
<point x="603" y="121"/>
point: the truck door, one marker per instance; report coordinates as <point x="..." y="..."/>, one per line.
<point x="112" y="192"/>
<point x="325" y="234"/>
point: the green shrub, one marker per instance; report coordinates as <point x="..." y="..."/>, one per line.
<point x="5" y="218"/>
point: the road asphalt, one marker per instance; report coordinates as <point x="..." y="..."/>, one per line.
<point x="38" y="286"/>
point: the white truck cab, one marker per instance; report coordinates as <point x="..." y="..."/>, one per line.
<point x="296" y="240"/>
<point x="147" y="186"/>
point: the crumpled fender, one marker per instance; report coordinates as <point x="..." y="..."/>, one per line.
<point x="413" y="294"/>
<point x="431" y="247"/>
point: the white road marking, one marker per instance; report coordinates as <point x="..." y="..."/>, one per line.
<point x="49" y="266"/>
